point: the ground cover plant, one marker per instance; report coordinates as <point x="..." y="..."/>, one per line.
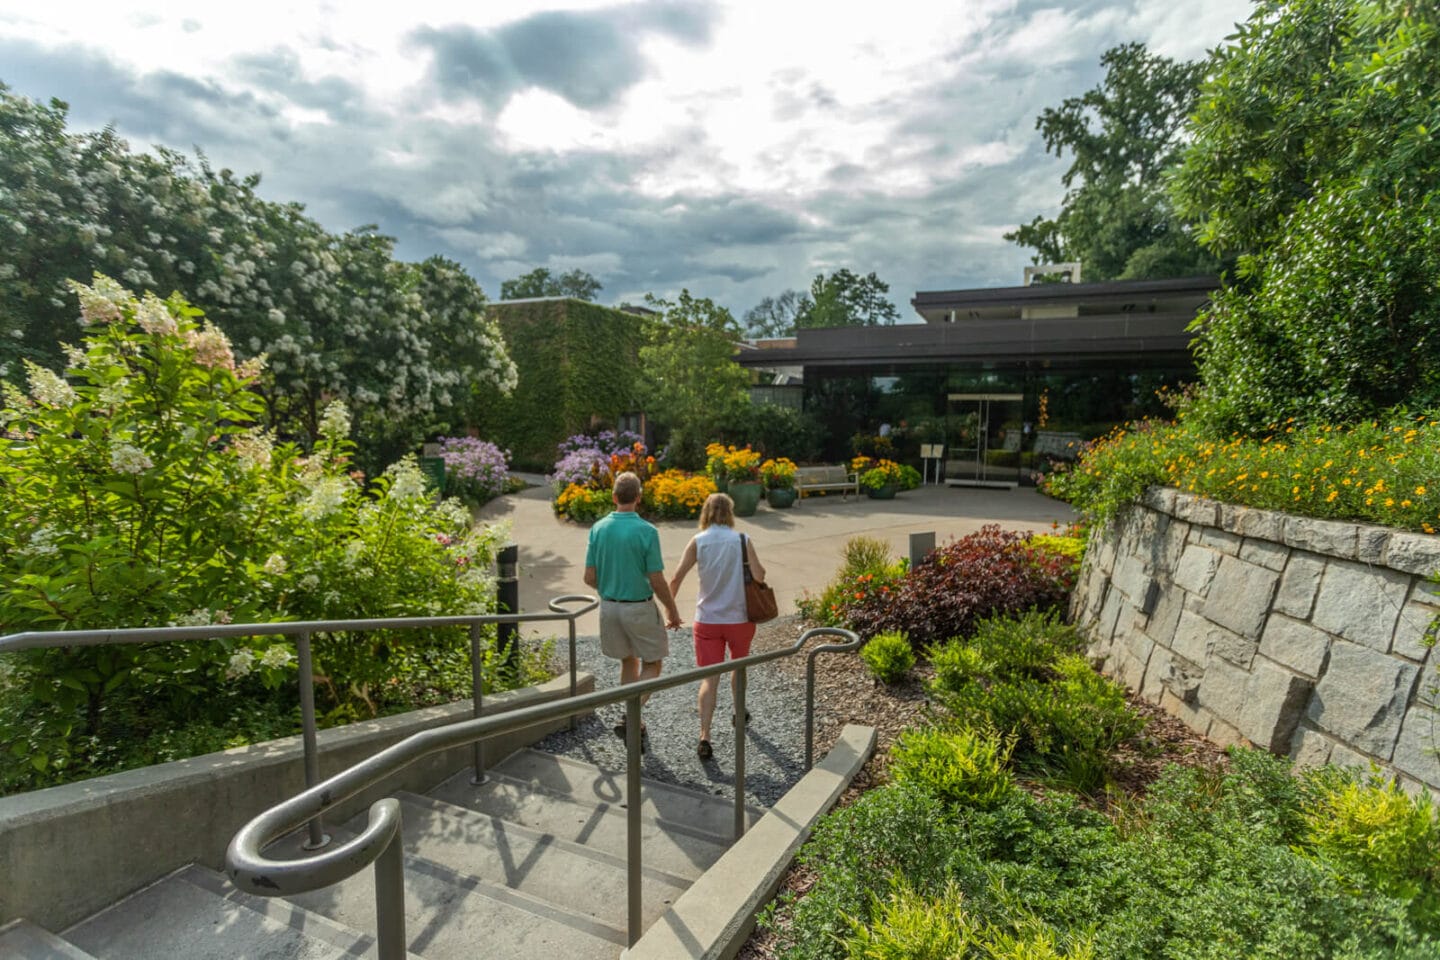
<point x="1210" y="864"/>
<point x="1025" y="679"/>
<point x="1376" y="471"/>
<point x="141" y="490"/>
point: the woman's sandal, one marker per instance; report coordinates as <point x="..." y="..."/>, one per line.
<point x="705" y="750"/>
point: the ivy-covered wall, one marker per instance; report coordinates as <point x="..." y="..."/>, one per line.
<point x="576" y="360"/>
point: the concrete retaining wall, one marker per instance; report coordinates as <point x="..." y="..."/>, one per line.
<point x="67" y="851"/>
<point x="1304" y="637"/>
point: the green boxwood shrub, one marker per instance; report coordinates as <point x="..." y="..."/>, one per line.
<point x="889" y="657"/>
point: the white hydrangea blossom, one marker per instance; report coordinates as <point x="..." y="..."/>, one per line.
<point x="406" y="480"/>
<point x="276" y="657"/>
<point x="335" y="422"/>
<point x="154" y="317"/>
<point x="48" y="388"/>
<point x="255" y="448"/>
<point x="42" y="543"/>
<point x="128" y="458"/>
<point x="327" y="496"/>
<point x="102" y="301"/>
<point x="275" y="565"/>
<point x="242" y="662"/>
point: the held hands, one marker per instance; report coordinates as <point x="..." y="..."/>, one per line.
<point x="672" y="618"/>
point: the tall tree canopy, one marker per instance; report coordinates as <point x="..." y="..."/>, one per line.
<point x="1116" y="218"/>
<point x="693" y="382"/>
<point x="776" y="316"/>
<point x="1314" y="160"/>
<point x="846" y="299"/>
<point x="404" y="344"/>
<point x="539" y="283"/>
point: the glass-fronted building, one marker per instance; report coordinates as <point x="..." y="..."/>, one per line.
<point x="1003" y="379"/>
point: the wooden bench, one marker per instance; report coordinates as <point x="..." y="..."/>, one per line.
<point x="826" y="477"/>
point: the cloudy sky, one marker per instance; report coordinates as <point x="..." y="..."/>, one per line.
<point x="735" y="148"/>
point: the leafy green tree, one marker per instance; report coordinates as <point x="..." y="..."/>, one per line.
<point x="846" y="299"/>
<point x="693" y="384"/>
<point x="539" y="283"/>
<point x="776" y="316"/>
<point x="1116" y="218"/>
<point x="337" y="316"/>
<point x="1314" y="162"/>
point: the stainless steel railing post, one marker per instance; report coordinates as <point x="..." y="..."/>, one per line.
<point x="809" y="713"/>
<point x="574" y="720"/>
<point x="318" y="837"/>
<point x="632" y="818"/>
<point x="740" y="738"/>
<point x="390" y="898"/>
<point x="477" y="696"/>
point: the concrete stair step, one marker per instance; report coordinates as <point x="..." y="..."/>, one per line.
<point x="450" y="916"/>
<point x="352" y="941"/>
<point x="677" y="849"/>
<point x="23" y="940"/>
<point x="586" y="782"/>
<point x="556" y="871"/>
<point x="175" y="918"/>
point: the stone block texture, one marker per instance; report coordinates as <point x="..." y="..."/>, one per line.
<point x="1305" y="637"/>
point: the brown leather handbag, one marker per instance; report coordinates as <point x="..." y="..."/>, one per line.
<point x="760" y="604"/>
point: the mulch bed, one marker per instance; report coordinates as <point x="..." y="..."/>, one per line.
<point x="845" y="692"/>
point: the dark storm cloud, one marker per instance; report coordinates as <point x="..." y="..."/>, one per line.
<point x="589" y="58"/>
<point x="160" y="106"/>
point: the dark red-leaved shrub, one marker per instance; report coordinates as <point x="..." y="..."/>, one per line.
<point x="988" y="573"/>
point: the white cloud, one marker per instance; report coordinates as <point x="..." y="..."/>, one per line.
<point x="792" y="137"/>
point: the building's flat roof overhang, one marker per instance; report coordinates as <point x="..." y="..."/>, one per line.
<point x="1105" y="296"/>
<point x="1057" y="340"/>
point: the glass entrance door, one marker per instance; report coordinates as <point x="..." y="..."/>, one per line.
<point x="984" y="437"/>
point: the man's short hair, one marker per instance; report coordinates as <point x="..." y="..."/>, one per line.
<point x="627" y="489"/>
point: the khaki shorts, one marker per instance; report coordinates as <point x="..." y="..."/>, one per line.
<point x="633" y="630"/>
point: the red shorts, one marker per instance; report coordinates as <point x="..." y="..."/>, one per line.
<point x="711" y="639"/>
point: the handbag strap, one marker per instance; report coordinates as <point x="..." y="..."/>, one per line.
<point x="745" y="559"/>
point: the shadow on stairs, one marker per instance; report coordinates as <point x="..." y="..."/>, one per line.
<point x="530" y="863"/>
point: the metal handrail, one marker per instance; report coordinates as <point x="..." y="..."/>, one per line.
<point x="302" y="630"/>
<point x="250" y="870"/>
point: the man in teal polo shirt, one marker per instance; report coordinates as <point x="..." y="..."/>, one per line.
<point x="622" y="562"/>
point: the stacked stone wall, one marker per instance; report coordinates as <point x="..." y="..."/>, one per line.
<point x="1305" y="637"/>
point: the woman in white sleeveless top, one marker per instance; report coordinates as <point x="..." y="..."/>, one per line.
<point x="720" y="618"/>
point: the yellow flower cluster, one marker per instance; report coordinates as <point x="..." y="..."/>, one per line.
<point x="1368" y="471"/>
<point x="675" y="494"/>
<point x="778" y="473"/>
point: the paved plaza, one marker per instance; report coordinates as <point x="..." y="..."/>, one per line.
<point x="800" y="547"/>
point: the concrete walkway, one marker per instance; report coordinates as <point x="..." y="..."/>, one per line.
<point x="801" y="547"/>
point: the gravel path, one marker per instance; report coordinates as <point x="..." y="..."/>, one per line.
<point x="775" y="747"/>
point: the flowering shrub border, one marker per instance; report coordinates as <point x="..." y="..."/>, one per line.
<point x="1377" y="472"/>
